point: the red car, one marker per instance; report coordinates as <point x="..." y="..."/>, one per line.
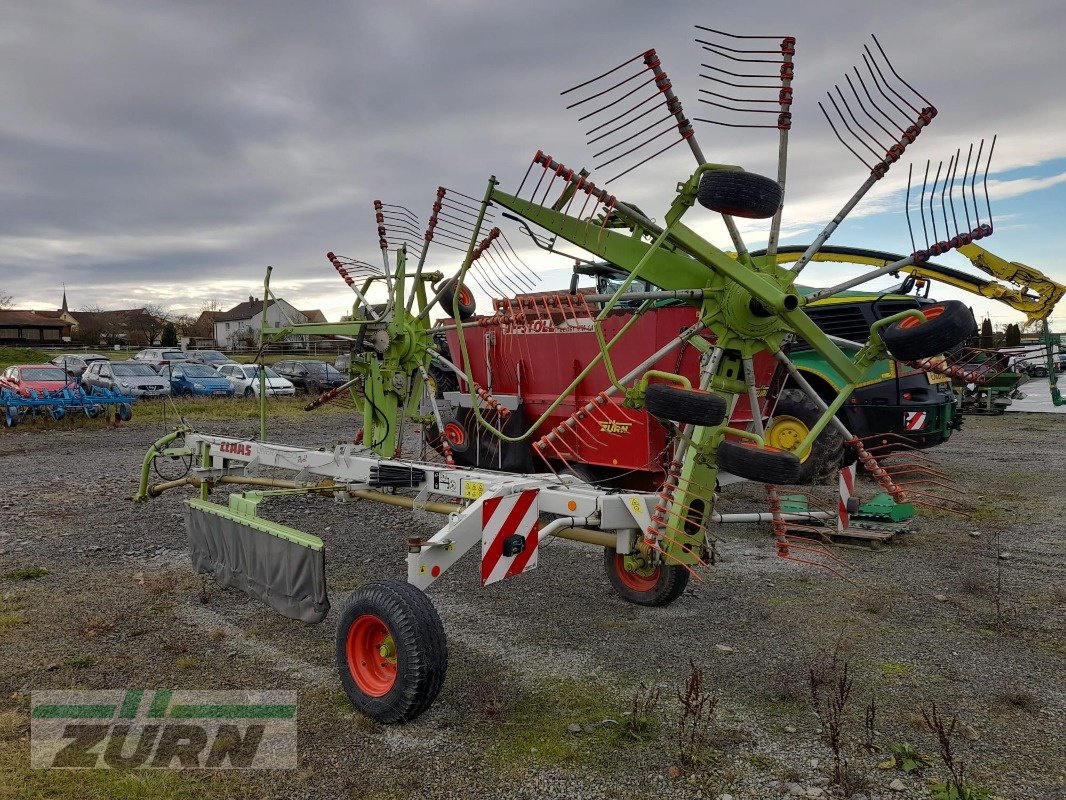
<point x="27" y="378"/>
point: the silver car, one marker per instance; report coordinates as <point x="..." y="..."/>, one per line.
<point x="245" y="381"/>
<point x="129" y="377"/>
<point x="75" y="363"/>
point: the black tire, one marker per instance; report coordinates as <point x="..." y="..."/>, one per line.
<point x="663" y="586"/>
<point x="249" y="392"/>
<point x="764" y="465"/>
<point x="739" y="194"/>
<point x="467" y="305"/>
<point x="947" y="324"/>
<point x="444" y="379"/>
<point x="684" y="405"/>
<point x="418" y="645"/>
<point x="459" y="435"/>
<point x="125" y="412"/>
<point x="796" y="414"/>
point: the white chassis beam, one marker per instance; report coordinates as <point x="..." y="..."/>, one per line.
<point x="564" y="500"/>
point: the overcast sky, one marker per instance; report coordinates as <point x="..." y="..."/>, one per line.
<point x="166" y="152"/>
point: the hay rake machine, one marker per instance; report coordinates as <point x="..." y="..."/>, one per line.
<point x="695" y="336"/>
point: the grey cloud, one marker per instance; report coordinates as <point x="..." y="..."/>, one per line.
<point x="225" y="136"/>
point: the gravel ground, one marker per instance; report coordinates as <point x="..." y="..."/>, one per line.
<point x="538" y="664"/>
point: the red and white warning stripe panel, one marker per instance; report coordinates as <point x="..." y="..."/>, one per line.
<point x="510" y="528"/>
<point x="914" y="420"/>
<point x="847" y="491"/>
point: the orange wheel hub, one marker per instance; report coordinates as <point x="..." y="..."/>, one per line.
<point x="371" y="654"/>
<point x="633" y="580"/>
<point x="930" y="313"/>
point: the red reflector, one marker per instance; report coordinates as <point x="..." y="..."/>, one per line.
<point x="906" y="395"/>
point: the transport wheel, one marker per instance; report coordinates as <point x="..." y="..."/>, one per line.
<point x="739" y="194"/>
<point x="762" y="464"/>
<point x="391" y="651"/>
<point x="456" y="434"/>
<point x="466" y="300"/>
<point x="684" y="405"/>
<point x="794" y="416"/>
<point x="947" y="324"/>
<point x="125" y="412"/>
<point x="643" y="584"/>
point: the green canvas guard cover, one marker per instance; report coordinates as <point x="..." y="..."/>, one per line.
<point x="281" y="566"/>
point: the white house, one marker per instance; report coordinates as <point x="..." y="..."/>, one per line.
<point x="239" y="327"/>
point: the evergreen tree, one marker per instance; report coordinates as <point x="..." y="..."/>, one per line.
<point x="988" y="339"/>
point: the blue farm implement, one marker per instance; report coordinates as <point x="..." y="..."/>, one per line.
<point x="61" y="403"/>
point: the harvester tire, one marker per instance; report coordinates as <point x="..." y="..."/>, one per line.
<point x="795" y="415"/>
<point x="467" y="305"/>
<point x="947" y="324"/>
<point x="444" y="380"/>
<point x="684" y="405"/>
<point x="661" y="587"/>
<point x="739" y="194"/>
<point x="392" y="654"/>
<point x="762" y="464"/>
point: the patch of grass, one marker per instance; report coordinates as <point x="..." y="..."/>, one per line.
<point x="340" y="699"/>
<point x="975" y="584"/>
<point x="185" y="662"/>
<point x="11" y="615"/>
<point x="1018" y="697"/>
<point x="96" y="624"/>
<point x="237" y="408"/>
<point x="894" y="669"/>
<point x="25" y="574"/>
<point x="80" y="662"/>
<point x="761" y="762"/>
<point x="533" y="729"/>
<point x="19" y="782"/>
<point x="12" y="619"/>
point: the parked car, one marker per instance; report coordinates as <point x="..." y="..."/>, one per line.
<point x="313" y="377"/>
<point x="160" y="356"/>
<point x="75" y="363"/>
<point x="129" y="377"/>
<point x="27" y="378"/>
<point x="1033" y="367"/>
<point x="245" y="380"/>
<point x="187" y="378"/>
<point x="211" y="357"/>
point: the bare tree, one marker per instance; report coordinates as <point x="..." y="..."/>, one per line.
<point x="151" y="321"/>
<point x="97" y="326"/>
<point x="5" y="299"/>
<point x="211" y="304"/>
